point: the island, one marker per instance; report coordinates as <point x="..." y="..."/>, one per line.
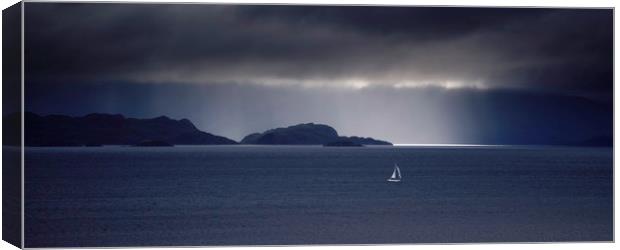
<point x="112" y="129"/>
<point x="308" y="134"/>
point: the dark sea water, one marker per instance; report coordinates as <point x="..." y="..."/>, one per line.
<point x="248" y="195"/>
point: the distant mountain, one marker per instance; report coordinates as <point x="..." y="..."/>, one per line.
<point x="106" y="129"/>
<point x="597" y="141"/>
<point x="306" y="134"/>
<point x="523" y="118"/>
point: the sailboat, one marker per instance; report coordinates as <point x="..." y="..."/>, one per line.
<point x="395" y="175"/>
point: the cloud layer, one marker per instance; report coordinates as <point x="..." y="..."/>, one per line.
<point x="566" y="51"/>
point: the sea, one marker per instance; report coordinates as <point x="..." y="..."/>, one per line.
<point x="116" y="196"/>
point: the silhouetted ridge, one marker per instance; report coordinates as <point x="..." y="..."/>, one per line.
<point x="597" y="141"/>
<point x="307" y="134"/>
<point x="108" y="129"/>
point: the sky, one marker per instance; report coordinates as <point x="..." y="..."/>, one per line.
<point x="403" y="74"/>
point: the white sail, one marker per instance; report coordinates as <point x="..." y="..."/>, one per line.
<point x="395" y="175"/>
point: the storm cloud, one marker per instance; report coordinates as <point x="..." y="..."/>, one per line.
<point x="557" y="50"/>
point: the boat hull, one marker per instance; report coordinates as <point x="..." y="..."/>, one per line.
<point x="393" y="180"/>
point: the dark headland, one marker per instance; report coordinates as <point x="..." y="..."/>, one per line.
<point x="107" y="129"/>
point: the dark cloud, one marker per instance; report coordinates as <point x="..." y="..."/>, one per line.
<point x="557" y="50"/>
<point x="415" y="23"/>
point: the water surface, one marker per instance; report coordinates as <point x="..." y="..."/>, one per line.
<point x="247" y="195"/>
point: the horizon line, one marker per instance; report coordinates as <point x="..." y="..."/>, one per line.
<point x="446" y="145"/>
